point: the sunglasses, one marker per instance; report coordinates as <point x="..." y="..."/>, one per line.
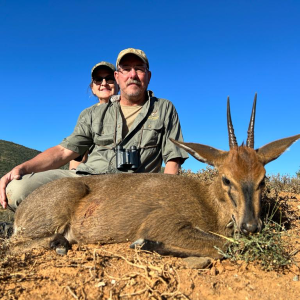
<point x="108" y="79"/>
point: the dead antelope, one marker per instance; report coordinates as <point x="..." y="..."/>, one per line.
<point x="170" y="214"/>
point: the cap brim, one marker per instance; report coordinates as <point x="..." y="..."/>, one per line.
<point x="102" y="67"/>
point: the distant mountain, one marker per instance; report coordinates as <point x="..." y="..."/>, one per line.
<point x="12" y="154"/>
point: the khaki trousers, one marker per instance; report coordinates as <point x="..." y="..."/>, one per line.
<point x="18" y="190"/>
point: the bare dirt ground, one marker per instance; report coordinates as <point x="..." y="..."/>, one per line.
<point x="117" y="272"/>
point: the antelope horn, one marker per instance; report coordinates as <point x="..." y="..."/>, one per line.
<point x="250" y="138"/>
<point x="232" y="138"/>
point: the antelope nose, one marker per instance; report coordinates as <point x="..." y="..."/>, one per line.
<point x="249" y="227"/>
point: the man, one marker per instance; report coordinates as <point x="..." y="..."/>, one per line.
<point x="130" y="133"/>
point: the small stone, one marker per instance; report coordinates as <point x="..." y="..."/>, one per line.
<point x="220" y="269"/>
<point x="197" y="262"/>
<point x="213" y="271"/>
<point x="100" y="284"/>
<point x="296" y="278"/>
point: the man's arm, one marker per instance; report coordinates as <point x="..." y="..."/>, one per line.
<point x="51" y="158"/>
<point x="74" y="163"/>
<point x="173" y="166"/>
<point x="172" y="155"/>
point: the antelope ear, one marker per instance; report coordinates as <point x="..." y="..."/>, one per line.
<point x="273" y="150"/>
<point x="203" y="153"/>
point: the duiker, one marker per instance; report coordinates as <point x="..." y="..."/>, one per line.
<point x="170" y="214"/>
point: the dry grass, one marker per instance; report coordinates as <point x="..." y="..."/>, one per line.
<point x="158" y="279"/>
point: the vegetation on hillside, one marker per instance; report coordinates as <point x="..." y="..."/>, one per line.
<point x="12" y="154"/>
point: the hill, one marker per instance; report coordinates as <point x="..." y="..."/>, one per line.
<point x="12" y="154"/>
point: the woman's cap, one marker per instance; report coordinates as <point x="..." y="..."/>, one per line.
<point x="104" y="64"/>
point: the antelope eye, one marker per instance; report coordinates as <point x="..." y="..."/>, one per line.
<point x="262" y="184"/>
<point x="225" y="180"/>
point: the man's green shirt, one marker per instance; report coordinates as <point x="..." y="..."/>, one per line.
<point x="102" y="126"/>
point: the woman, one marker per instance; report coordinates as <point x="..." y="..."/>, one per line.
<point x="103" y="85"/>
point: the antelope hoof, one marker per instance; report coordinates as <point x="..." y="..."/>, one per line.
<point x="6" y="230"/>
<point x="146" y="245"/>
<point x="60" y="244"/>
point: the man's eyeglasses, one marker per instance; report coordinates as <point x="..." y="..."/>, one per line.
<point x="108" y="79"/>
<point x="138" y="69"/>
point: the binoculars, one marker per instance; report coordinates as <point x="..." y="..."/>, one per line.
<point x="127" y="159"/>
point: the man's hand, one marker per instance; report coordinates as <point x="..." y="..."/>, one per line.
<point x="15" y="173"/>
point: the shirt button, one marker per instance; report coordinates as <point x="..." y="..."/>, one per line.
<point x="149" y="126"/>
<point x="119" y="126"/>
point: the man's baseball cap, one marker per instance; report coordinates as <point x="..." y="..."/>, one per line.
<point x="104" y="64"/>
<point x="139" y="53"/>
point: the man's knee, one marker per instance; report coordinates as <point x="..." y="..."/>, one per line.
<point x="18" y="190"/>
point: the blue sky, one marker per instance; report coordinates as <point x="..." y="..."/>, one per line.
<point x="200" y="52"/>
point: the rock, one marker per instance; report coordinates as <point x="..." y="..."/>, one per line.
<point x="197" y="262"/>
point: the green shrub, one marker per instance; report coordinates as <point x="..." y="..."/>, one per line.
<point x="267" y="248"/>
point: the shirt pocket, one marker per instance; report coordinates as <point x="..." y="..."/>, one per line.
<point x="151" y="135"/>
<point x="105" y="135"/>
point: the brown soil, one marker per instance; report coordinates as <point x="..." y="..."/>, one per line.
<point x="117" y="272"/>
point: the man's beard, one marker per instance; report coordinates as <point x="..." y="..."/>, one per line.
<point x="134" y="95"/>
